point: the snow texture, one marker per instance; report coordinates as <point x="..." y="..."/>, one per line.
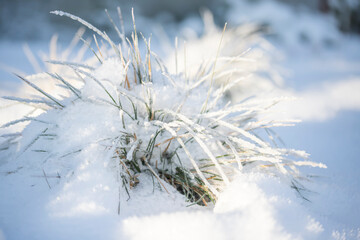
<point x="77" y="198"/>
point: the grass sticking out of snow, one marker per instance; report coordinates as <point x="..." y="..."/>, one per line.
<point x="180" y="130"/>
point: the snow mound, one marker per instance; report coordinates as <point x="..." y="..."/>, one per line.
<point x="131" y="143"/>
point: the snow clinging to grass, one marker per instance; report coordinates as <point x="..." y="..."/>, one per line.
<point x="125" y="132"/>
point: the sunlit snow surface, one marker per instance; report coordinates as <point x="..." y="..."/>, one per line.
<point x="326" y="79"/>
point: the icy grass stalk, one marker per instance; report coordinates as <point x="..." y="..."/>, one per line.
<point x="180" y="130"/>
<point x="40" y="91"/>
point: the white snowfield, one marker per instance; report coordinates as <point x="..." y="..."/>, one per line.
<point x="79" y="197"/>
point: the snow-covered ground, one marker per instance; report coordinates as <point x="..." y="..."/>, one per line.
<point x="319" y="65"/>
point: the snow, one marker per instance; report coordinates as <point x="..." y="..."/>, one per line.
<point x="84" y="202"/>
<point x="238" y="208"/>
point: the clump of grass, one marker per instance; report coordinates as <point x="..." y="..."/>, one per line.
<point x="181" y="130"/>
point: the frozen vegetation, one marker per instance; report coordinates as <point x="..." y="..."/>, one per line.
<point x="122" y="143"/>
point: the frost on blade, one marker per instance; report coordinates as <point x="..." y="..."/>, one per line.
<point x="130" y="154"/>
<point x="85" y="23"/>
<point x="141" y="122"/>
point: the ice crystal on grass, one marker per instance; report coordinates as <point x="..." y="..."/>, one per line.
<point x="182" y="130"/>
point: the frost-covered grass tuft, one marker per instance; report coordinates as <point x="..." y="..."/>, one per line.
<point x="182" y="130"/>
